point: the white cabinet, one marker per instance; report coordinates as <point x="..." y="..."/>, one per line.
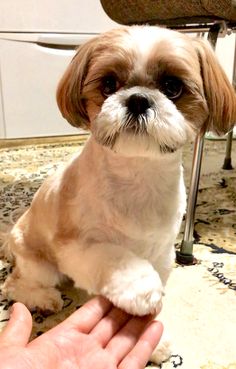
<point x="29" y="76"/>
<point x="37" y="41"/>
<point x="71" y="16"/>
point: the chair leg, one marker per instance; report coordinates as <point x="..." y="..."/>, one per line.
<point x="185" y="255"/>
<point x="228" y="161"/>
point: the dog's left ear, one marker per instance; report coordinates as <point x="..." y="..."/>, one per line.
<point x="70" y="99"/>
<point x="219" y="92"/>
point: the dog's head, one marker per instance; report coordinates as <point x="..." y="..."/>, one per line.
<point x="146" y="85"/>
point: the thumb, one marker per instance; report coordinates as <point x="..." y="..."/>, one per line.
<point x="18" y="328"/>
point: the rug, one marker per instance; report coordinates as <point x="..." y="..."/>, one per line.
<point x="199" y="310"/>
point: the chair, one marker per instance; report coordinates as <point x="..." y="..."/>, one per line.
<point x="215" y="17"/>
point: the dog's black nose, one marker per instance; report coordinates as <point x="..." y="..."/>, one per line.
<point x="137" y="104"/>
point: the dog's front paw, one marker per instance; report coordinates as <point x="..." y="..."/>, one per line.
<point x="45" y="299"/>
<point x="138" y="291"/>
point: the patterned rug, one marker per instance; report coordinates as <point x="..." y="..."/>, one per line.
<point x="200" y="304"/>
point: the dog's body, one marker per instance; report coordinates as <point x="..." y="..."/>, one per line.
<point x="117" y="216"/>
<point x="110" y="218"/>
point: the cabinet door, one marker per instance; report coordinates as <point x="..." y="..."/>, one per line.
<point x="29" y="76"/>
<point x="70" y="16"/>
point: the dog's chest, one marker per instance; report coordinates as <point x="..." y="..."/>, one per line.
<point x="147" y="210"/>
<point x="137" y="202"/>
<point x="148" y="196"/>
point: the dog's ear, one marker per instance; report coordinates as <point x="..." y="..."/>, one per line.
<point x="70" y="99"/>
<point x="219" y="93"/>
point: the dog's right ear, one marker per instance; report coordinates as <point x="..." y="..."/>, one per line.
<point x="70" y="99"/>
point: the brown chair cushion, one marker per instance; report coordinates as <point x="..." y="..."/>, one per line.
<point x="169" y="12"/>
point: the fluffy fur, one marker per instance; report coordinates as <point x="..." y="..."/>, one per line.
<point x="110" y="218"/>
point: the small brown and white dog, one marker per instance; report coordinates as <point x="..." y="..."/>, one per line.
<point x="110" y="218"/>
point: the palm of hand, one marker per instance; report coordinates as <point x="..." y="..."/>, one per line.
<point x="96" y="336"/>
<point x="74" y="350"/>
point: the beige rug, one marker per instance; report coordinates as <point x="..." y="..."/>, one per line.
<point x="200" y="304"/>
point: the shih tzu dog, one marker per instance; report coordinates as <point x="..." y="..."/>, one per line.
<point x="110" y="218"/>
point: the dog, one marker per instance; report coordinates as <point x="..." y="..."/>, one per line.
<point x="110" y="218"/>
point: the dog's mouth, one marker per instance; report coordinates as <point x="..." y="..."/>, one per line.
<point x="165" y="149"/>
<point x="135" y="125"/>
<point x="133" y="130"/>
<point x="131" y="127"/>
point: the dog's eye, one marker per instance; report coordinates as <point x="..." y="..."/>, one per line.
<point x="172" y="87"/>
<point x="109" y="85"/>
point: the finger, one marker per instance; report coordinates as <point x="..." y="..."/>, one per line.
<point x="18" y="328"/>
<point x="85" y="318"/>
<point x="109" y="325"/>
<point x="124" y="341"/>
<point x="141" y="353"/>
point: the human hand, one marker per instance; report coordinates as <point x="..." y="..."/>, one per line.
<point x="97" y="336"/>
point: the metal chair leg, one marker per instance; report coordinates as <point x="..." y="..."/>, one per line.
<point x="185" y="255"/>
<point x="227" y="161"/>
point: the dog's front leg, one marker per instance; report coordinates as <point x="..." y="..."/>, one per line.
<point x="129" y="282"/>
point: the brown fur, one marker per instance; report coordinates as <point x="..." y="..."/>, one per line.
<point x="219" y="93"/>
<point x="72" y="93"/>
